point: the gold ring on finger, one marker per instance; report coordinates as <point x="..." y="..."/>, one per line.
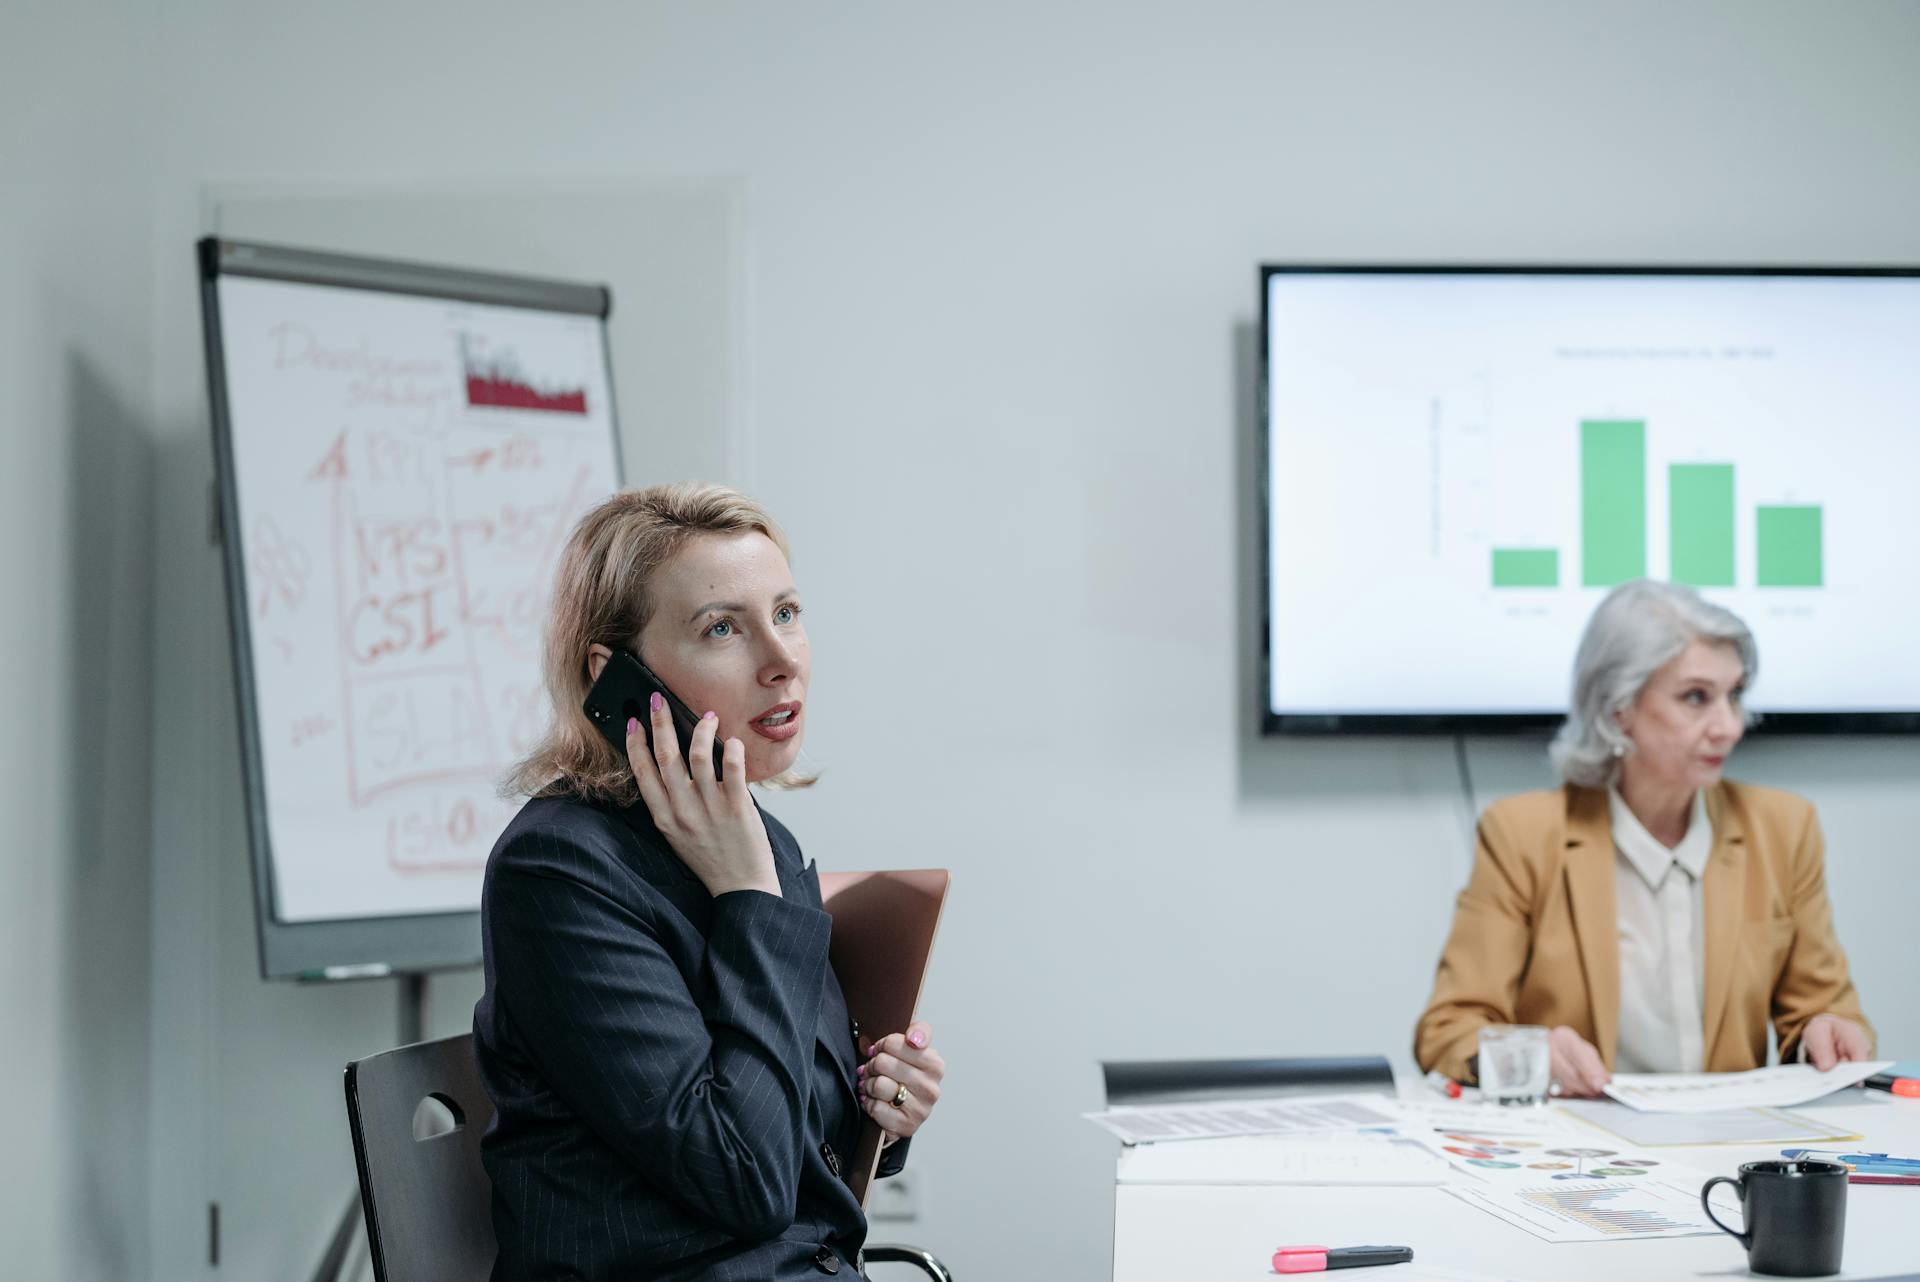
<point x="900" y="1096"/>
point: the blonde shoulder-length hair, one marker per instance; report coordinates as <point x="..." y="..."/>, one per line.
<point x="602" y="596"/>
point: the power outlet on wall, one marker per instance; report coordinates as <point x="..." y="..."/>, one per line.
<point x="895" y="1198"/>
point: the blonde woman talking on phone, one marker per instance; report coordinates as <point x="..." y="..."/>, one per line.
<point x="1651" y="913"/>
<point x="676" y="1078"/>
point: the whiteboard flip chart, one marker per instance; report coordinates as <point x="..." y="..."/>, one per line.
<point x="402" y="472"/>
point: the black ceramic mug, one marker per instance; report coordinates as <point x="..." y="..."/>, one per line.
<point x="1795" y="1212"/>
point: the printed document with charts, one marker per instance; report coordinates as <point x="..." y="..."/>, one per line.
<point x="1295" y="1115"/>
<point x="1577" y="1191"/>
<point x="1782" y="1086"/>
<point x="1322" y="1159"/>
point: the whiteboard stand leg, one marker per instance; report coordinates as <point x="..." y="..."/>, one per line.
<point x="346" y="1249"/>
<point x="346" y="1244"/>
<point x="413" y="1006"/>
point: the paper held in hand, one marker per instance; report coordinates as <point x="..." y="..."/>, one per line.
<point x="1778" y="1087"/>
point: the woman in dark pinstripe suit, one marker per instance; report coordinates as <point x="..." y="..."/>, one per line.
<point x="670" y="1056"/>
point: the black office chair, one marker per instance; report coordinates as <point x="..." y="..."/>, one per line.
<point x="893" y="1253"/>
<point x="426" y="1195"/>
<point x="1194" y="1081"/>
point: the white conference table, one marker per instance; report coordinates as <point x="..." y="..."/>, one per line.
<point x="1213" y="1233"/>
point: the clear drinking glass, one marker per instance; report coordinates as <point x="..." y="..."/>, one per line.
<point x="1515" y="1064"/>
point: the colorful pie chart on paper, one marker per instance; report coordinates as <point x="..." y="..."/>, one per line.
<point x="1635" y="1161"/>
<point x="1550" y="1166"/>
<point x="1498" y="1166"/>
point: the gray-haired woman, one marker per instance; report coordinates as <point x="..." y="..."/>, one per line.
<point x="1651" y="913"/>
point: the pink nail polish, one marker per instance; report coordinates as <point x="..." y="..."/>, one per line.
<point x="861" y="1072"/>
<point x="708" y="716"/>
<point x="918" y="1038"/>
<point x="633" y="723"/>
<point x="656" y="702"/>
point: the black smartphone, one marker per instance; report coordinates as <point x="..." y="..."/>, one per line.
<point x="625" y="690"/>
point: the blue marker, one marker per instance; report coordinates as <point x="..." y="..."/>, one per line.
<point x="1863" y="1168"/>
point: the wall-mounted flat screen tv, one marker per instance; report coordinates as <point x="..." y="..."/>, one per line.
<point x="1460" y="462"/>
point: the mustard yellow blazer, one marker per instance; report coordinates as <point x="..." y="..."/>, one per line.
<point x="1535" y="937"/>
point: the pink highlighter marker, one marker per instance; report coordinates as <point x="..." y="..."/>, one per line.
<point x="1316" y="1259"/>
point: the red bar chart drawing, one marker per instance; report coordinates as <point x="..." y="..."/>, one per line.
<point x="495" y="379"/>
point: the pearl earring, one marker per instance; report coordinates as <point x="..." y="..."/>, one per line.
<point x="1619" y="749"/>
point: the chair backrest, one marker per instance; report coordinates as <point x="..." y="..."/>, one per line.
<point x="427" y="1200"/>
<point x="1167" y="1081"/>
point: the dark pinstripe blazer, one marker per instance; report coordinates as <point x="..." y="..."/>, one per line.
<point x="672" y="1073"/>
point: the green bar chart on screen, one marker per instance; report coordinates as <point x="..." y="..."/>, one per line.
<point x="1613" y="501"/>
<point x="1526" y="567"/>
<point x="1789" y="546"/>
<point x="1700" y="524"/>
<point x="1788" y="549"/>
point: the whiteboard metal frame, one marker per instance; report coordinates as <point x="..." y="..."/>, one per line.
<point x="355" y="947"/>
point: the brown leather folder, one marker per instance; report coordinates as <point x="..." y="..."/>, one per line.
<point x="883" y="928"/>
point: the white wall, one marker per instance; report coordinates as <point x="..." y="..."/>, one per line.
<point x="75" y="503"/>
<point x="999" y="281"/>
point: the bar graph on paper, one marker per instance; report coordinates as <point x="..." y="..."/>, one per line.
<point x="1608" y="1209"/>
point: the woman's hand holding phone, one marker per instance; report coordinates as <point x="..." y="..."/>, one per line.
<point x="711" y="824"/>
